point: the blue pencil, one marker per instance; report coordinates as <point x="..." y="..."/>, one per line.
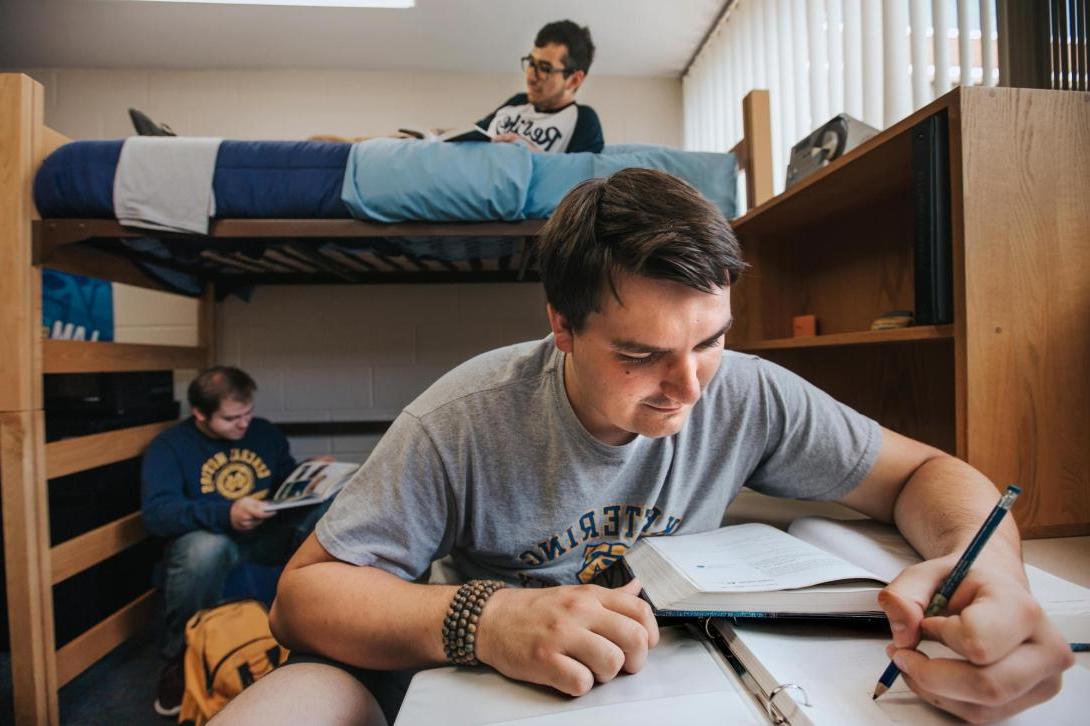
<point x="950" y="584"/>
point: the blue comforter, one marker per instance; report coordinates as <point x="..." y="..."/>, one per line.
<point x="253" y="180"/>
<point x="384" y="180"/>
<point x="391" y="180"/>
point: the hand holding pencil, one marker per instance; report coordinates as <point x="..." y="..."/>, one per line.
<point x="1013" y="656"/>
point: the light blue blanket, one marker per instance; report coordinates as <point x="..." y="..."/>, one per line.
<point x="391" y="180"/>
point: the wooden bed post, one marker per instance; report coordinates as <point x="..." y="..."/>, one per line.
<point x="22" y="435"/>
<point x="757" y="127"/>
<point x="21" y="109"/>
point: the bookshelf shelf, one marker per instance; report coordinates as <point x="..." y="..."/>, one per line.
<point x="876" y="168"/>
<point x="862" y="337"/>
<point x="1002" y="383"/>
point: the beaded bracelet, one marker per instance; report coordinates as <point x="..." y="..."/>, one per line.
<point x="460" y="624"/>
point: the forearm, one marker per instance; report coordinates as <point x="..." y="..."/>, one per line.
<point x="941" y="507"/>
<point x="361" y="616"/>
<point x="567" y="637"/>
<point x="174" y="516"/>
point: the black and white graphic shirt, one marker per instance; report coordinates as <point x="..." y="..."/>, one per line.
<point x="570" y="129"/>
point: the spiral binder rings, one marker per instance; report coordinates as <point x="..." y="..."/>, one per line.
<point x="777" y="700"/>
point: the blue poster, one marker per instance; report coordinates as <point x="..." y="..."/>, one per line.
<point x="75" y="307"/>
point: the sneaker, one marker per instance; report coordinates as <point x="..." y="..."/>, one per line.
<point x="168" y="701"/>
<point x="146" y="127"/>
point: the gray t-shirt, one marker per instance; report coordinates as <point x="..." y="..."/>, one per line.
<point x="491" y="466"/>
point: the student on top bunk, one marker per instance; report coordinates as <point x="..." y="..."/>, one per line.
<point x="202" y="483"/>
<point x="546" y="118"/>
<point x="540" y="463"/>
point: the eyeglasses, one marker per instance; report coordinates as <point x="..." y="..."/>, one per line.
<point x="542" y="68"/>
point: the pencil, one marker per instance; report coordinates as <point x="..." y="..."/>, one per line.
<point x="950" y="584"/>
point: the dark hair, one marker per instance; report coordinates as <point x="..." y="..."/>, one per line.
<point x="640" y="222"/>
<point x="212" y="385"/>
<point x="575" y="38"/>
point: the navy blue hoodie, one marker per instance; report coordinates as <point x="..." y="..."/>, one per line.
<point x="189" y="480"/>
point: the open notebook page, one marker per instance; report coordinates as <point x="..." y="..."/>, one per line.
<point x="875" y="546"/>
<point x="752" y="557"/>
<point x="881" y="549"/>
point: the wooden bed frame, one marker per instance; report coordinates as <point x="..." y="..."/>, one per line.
<point x="27" y="462"/>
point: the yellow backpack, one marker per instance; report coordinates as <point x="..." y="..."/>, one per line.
<point x="228" y="647"/>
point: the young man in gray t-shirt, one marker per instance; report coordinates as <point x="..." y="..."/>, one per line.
<point x="541" y="463"/>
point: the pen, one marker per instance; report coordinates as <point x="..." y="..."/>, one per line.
<point x="950" y="584"/>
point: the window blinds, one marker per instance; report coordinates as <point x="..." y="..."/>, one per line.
<point x="877" y="60"/>
<point x="1069" y="41"/>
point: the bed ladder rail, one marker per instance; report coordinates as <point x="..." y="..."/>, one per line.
<point x="754" y="151"/>
<point x="78" y="356"/>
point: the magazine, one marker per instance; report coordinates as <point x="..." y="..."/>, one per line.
<point x="467" y="133"/>
<point x="312" y="482"/>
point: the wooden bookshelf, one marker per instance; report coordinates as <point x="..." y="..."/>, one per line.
<point x="1004" y="384"/>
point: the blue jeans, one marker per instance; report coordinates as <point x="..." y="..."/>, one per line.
<point x="196" y="564"/>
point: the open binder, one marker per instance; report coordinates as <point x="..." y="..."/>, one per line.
<point x="803" y="672"/>
<point x="717" y="672"/>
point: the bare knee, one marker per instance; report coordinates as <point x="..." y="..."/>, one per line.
<point x="311" y="693"/>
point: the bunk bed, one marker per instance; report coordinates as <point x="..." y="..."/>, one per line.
<point x="97" y="247"/>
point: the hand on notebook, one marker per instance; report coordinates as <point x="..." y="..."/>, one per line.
<point x="1014" y="655"/>
<point x="566" y="637"/>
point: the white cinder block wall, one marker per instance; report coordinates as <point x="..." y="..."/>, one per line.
<point x="362" y="352"/>
<point x="327" y="353"/>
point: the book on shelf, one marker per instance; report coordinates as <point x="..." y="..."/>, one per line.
<point x="471" y="132"/>
<point x="932" y="249"/>
<point x="312" y="482"/>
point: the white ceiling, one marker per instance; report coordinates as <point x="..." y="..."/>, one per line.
<point x="633" y="37"/>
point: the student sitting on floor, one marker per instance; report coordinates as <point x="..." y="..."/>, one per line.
<point x="203" y="482"/>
